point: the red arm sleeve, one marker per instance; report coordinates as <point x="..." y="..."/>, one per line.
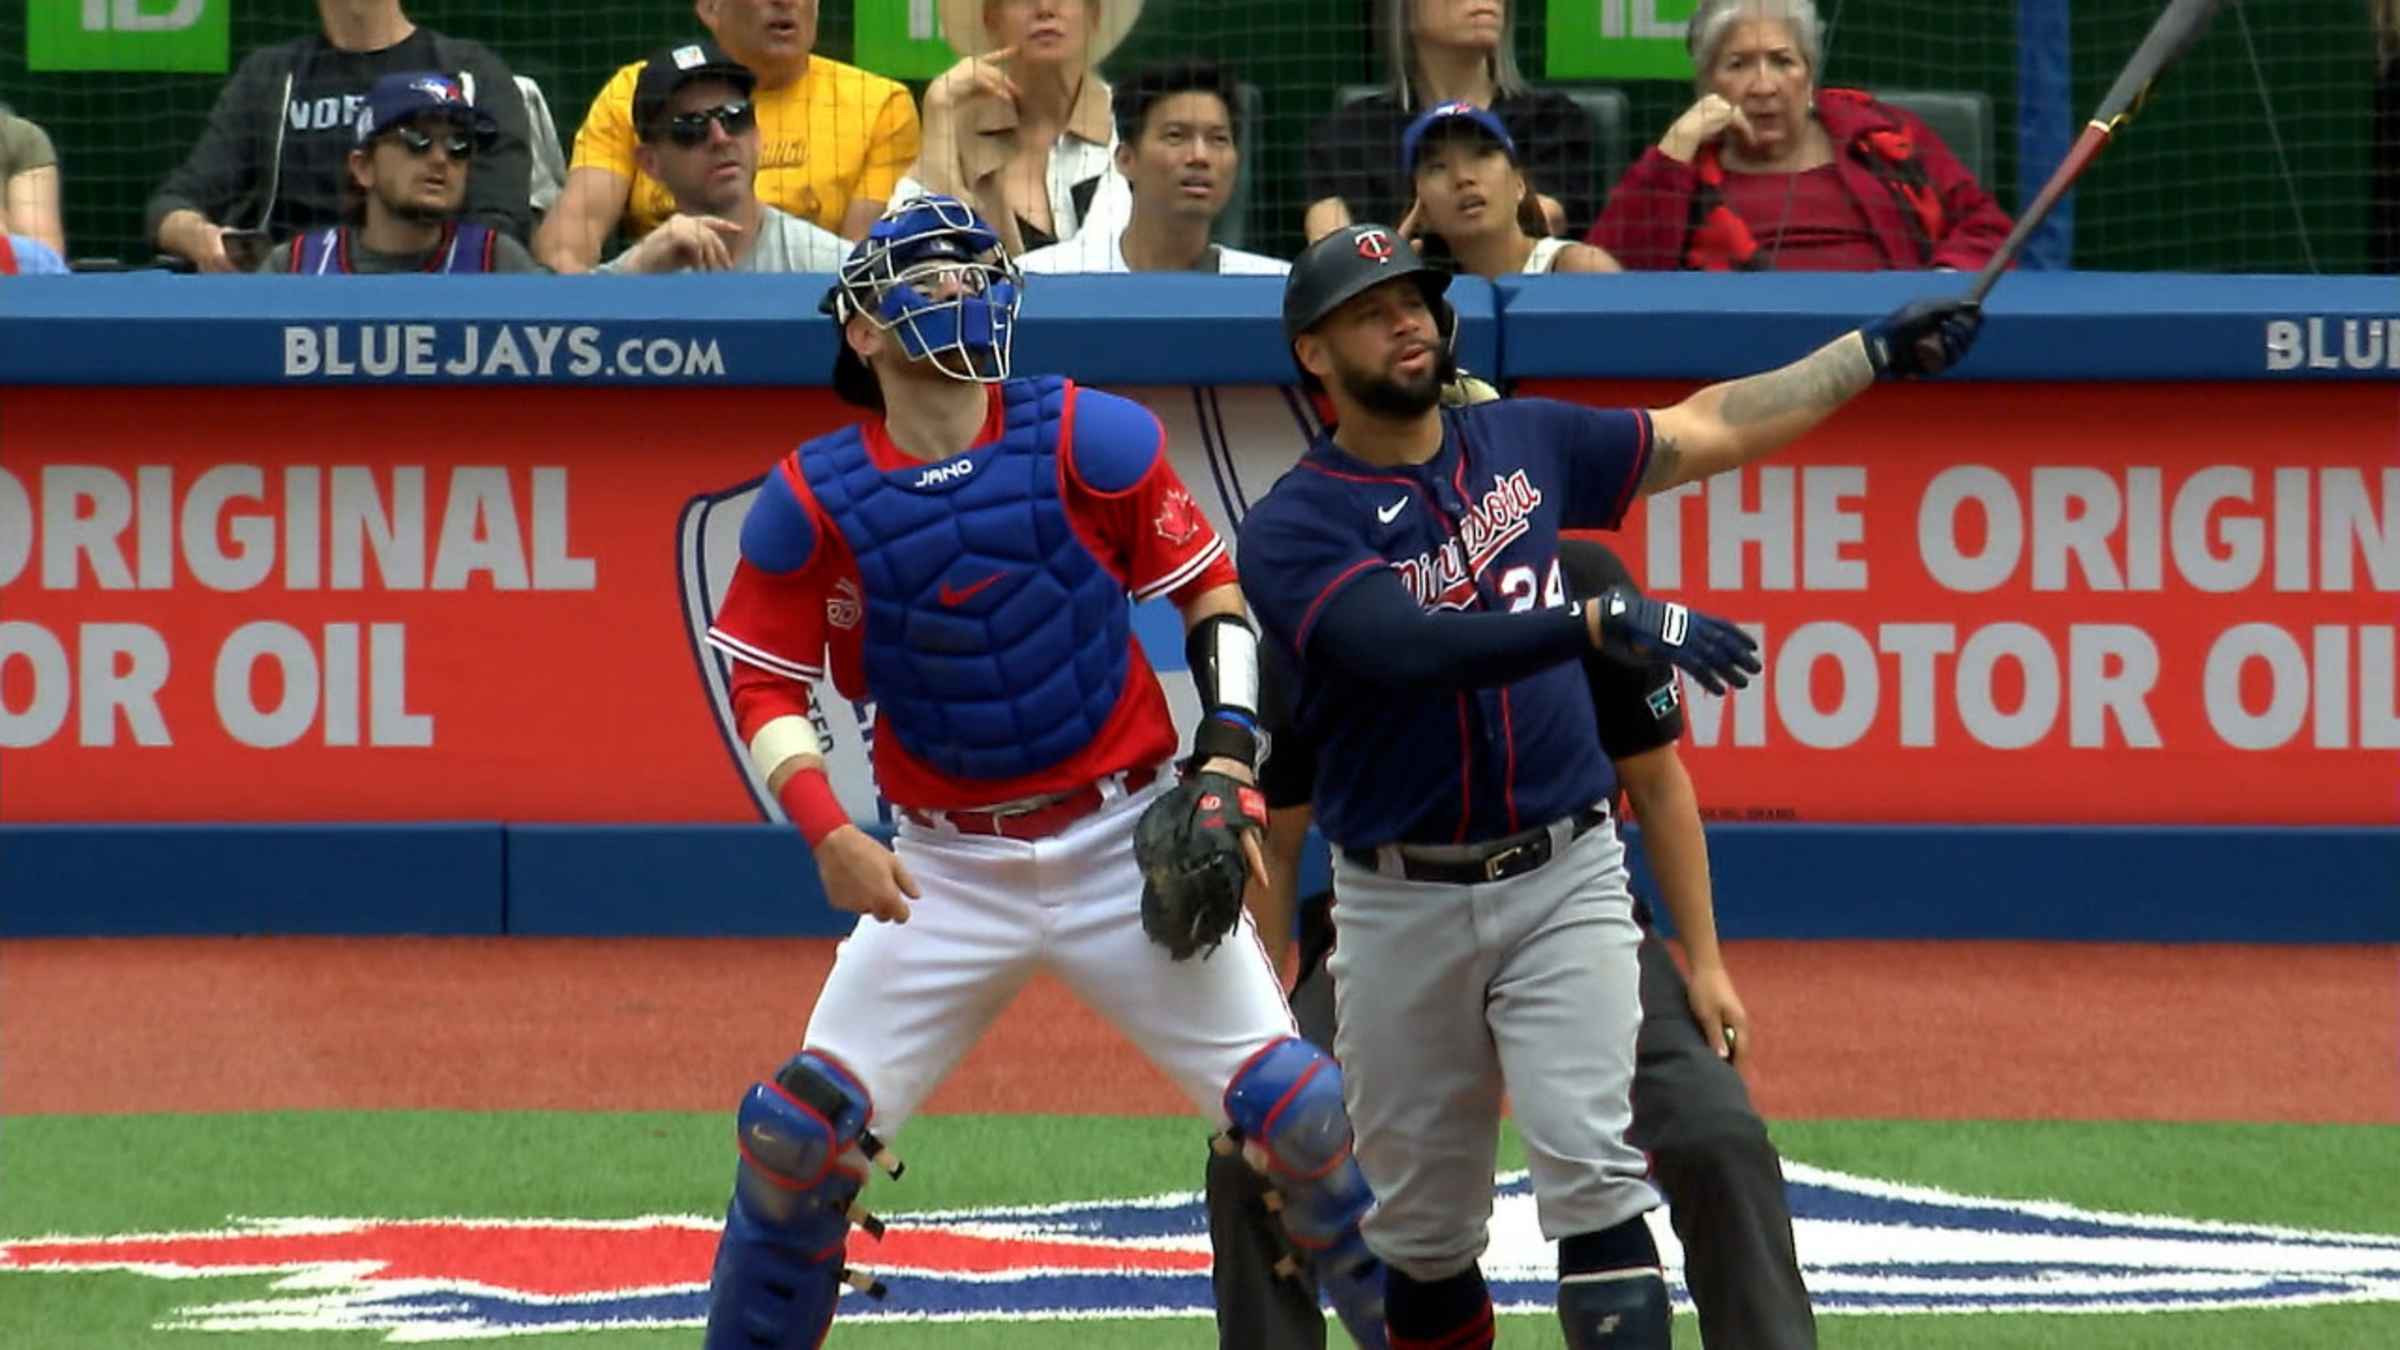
<point x="1648" y="211"/>
<point x="773" y="626"/>
<point x="760" y="696"/>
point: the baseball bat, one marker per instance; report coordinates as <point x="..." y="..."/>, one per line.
<point x="2177" y="28"/>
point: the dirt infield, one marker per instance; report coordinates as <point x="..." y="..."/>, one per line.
<point x="1923" y="1030"/>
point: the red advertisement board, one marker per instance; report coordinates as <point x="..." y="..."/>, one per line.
<point x="1980" y="603"/>
<point x="2051" y="603"/>
<point x="309" y="604"/>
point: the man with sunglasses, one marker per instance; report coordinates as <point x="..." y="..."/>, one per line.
<point x="700" y="140"/>
<point x="271" y="160"/>
<point x="418" y="138"/>
<point x="834" y="140"/>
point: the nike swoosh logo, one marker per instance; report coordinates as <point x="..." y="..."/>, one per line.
<point x="1388" y="514"/>
<point x="953" y="597"/>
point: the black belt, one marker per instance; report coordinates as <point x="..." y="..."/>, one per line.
<point x="1493" y="860"/>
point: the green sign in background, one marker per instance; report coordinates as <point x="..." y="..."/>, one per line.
<point x="185" y="35"/>
<point x="1619" y="39"/>
<point x="902" y="39"/>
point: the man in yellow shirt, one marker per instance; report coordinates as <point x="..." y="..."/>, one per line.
<point x="834" y="139"/>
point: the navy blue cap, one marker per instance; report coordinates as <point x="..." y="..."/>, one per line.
<point x="403" y="97"/>
<point x="1452" y="114"/>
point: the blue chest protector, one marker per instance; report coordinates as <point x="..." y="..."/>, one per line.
<point x="996" y="644"/>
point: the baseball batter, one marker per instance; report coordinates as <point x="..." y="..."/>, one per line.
<point x="965" y="559"/>
<point x="1408" y="567"/>
<point x="1692" y="1117"/>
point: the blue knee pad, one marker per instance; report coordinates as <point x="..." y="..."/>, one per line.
<point x="1287" y="1105"/>
<point x="781" y="1262"/>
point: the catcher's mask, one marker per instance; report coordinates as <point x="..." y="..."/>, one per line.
<point x="1349" y="261"/>
<point x="932" y="272"/>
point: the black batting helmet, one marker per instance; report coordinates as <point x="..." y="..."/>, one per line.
<point x="1353" y="259"/>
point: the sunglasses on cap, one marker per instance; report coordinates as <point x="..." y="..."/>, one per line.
<point x="690" y="129"/>
<point x="460" y="144"/>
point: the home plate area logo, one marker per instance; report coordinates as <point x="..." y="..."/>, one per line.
<point x="1866" y="1247"/>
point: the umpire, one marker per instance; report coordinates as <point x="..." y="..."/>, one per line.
<point x="1691" y="1113"/>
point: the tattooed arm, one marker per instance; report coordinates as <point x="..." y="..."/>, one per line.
<point x="1728" y="425"/>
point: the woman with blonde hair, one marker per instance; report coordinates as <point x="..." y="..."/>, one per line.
<point x="1020" y="128"/>
<point x="1437" y="52"/>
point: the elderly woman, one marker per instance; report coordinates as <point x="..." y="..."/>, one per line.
<point x="1473" y="193"/>
<point x="1020" y="128"/>
<point x="1437" y="52"/>
<point x="1768" y="171"/>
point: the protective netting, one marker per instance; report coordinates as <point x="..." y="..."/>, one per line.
<point x="2260" y="152"/>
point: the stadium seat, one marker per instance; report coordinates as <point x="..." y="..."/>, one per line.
<point x="1608" y="110"/>
<point x="1961" y="117"/>
<point x="1604" y="104"/>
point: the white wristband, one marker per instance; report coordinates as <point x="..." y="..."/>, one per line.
<point x="782" y="738"/>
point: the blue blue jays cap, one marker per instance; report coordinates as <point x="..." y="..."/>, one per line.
<point x="405" y="96"/>
<point x="1446" y="116"/>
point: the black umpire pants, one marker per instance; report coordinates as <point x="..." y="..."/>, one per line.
<point x="1708" y="1152"/>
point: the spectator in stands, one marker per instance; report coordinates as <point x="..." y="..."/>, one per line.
<point x="1020" y="128"/>
<point x="700" y="139"/>
<point x="1472" y="192"/>
<point x="29" y="183"/>
<point x="1768" y="171"/>
<point x="274" y="155"/>
<point x="1178" y="153"/>
<point x="417" y="142"/>
<point x="24" y="255"/>
<point x="1436" y="52"/>
<point x="833" y="139"/>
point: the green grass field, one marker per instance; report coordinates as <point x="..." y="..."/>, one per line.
<point x="115" y="1174"/>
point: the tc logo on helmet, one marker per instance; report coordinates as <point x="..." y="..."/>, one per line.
<point x="1375" y="245"/>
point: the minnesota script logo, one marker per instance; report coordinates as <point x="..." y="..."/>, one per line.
<point x="1444" y="578"/>
<point x="1866" y="1246"/>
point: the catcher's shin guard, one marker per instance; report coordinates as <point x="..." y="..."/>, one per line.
<point x="781" y="1262"/>
<point x="1286" y="1103"/>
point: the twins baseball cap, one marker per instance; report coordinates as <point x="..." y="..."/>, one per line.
<point x="671" y="68"/>
<point x="1445" y="117"/>
<point x="407" y="95"/>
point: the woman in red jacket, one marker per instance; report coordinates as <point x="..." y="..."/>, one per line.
<point x="1766" y="171"/>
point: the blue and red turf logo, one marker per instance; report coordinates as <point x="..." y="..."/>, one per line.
<point x="1866" y="1247"/>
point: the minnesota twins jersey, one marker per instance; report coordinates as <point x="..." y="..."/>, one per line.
<point x="1475" y="528"/>
<point x="980" y="601"/>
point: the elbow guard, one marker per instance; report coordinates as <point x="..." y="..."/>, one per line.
<point x="1223" y="652"/>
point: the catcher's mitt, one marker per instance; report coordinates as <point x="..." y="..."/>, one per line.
<point x="1189" y="845"/>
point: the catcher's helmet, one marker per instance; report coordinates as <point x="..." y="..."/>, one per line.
<point x="893" y="277"/>
<point x="1348" y="261"/>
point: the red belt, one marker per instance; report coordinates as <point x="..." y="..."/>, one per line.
<point x="1032" y="822"/>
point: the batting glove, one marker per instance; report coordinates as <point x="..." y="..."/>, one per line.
<point x="1922" y="338"/>
<point x="1711" y="650"/>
